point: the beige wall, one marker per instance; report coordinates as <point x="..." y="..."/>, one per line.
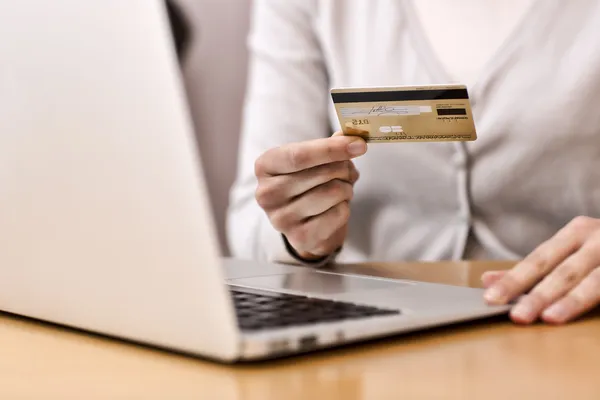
<point x="215" y="72"/>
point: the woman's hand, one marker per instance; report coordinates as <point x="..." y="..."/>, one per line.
<point x="305" y="189"/>
<point x="559" y="281"/>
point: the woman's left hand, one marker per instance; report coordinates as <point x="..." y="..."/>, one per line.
<point x="558" y="281"/>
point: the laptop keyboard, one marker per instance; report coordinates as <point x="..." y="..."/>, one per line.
<point x="277" y="310"/>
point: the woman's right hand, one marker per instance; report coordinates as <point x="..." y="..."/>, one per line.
<point x="305" y="189"/>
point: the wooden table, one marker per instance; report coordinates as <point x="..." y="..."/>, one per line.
<point x="491" y="359"/>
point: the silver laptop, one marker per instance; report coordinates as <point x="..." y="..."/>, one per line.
<point x="105" y="223"/>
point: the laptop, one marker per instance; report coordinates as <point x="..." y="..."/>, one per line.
<point x="106" y="224"/>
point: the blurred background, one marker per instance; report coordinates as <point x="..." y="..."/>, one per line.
<point x="214" y="66"/>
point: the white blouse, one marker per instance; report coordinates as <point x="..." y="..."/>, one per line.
<point x="465" y="34"/>
<point x="536" y="101"/>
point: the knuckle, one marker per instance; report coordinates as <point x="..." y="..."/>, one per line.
<point x="322" y="248"/>
<point x="330" y="170"/>
<point x="354" y="174"/>
<point x="342" y="170"/>
<point x="260" y="164"/>
<point x="505" y="284"/>
<point x="338" y="189"/>
<point x="326" y="246"/>
<point x="260" y="196"/>
<point x="583" y="223"/>
<point x="277" y="221"/>
<point x="343" y="211"/>
<point x="349" y="170"/>
<point x="337" y="148"/>
<point x="333" y="188"/>
<point x="584" y="260"/>
<point x="567" y="274"/>
<point x="346" y="167"/>
<point x="584" y="295"/>
<point x="330" y="149"/>
<point x="264" y="195"/>
<point x="509" y="282"/>
<point x="280" y="219"/>
<point x="592" y="247"/>
<point x="577" y="299"/>
<point x="539" y="260"/>
<point x="594" y="278"/>
<point x="298" y="157"/>
<point x="300" y="235"/>
<point x="349" y="192"/>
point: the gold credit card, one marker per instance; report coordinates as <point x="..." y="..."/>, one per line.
<point x="433" y="113"/>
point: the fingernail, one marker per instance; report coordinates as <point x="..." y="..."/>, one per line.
<point x="522" y="312"/>
<point x="357" y="147"/>
<point x="556" y="312"/>
<point x="493" y="294"/>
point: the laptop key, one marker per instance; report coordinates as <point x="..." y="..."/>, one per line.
<point x="256" y="311"/>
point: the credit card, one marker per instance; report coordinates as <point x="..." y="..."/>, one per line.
<point x="433" y="113"/>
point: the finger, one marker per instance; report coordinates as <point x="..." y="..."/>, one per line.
<point x="328" y="245"/>
<point x="335" y="240"/>
<point x="275" y="191"/>
<point x="312" y="203"/>
<point x="303" y="181"/>
<point x="322" y="234"/>
<point x="490" y="277"/>
<point x="579" y="300"/>
<point x="536" y="265"/>
<point x="559" y="282"/>
<point x="296" y="157"/>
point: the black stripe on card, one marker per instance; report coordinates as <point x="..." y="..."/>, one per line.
<point x="400" y="95"/>
<point x="451" y="111"/>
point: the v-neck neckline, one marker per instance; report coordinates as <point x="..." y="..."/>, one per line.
<point x="441" y="72"/>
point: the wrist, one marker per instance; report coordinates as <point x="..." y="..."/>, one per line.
<point x="305" y="257"/>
